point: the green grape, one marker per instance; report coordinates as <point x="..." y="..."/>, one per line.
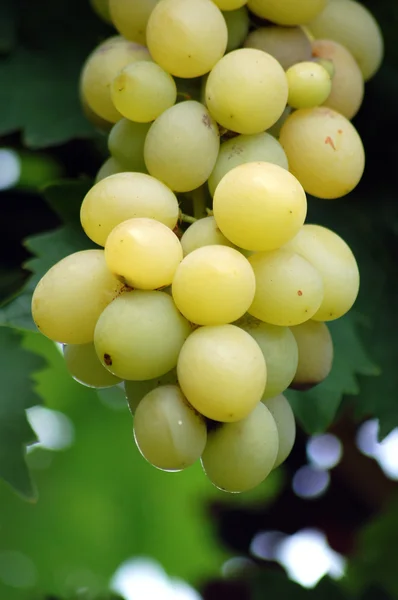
<point x="136" y="390"/>
<point x="101" y="8"/>
<point x="289" y="289"/>
<point x="246" y="91"/>
<point x="213" y="285"/>
<point x="182" y="145"/>
<point x="347" y="83"/>
<point x="280" y="351"/>
<point x="334" y="260"/>
<point x="352" y="25"/>
<point x="126" y="142"/>
<point x="203" y="232"/>
<point x="70" y="297"/>
<point x="324" y="151"/>
<point x="131" y="17"/>
<point x="259" y="206"/>
<point x="140" y="334"/>
<point x="245" y="149"/>
<point x="282" y="413"/>
<point x="142" y="91"/>
<point x="238" y="24"/>
<point x="125" y="196"/>
<point x="101" y="67"/>
<point x="239" y="456"/>
<point x="309" y="85"/>
<point x="230" y="5"/>
<point x="186" y="37"/>
<point x="169" y="433"/>
<point x="289" y="45"/>
<point x="143" y="253"/>
<point x="315" y="352"/>
<point x="276" y="128"/>
<point x="222" y="372"/>
<point x="287" y="12"/>
<point x="110" y="167"/>
<point x="82" y="363"/>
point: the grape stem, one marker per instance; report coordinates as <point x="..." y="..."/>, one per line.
<point x="187" y="218"/>
<point x="199" y="202"/>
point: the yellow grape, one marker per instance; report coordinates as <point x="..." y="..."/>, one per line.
<point x="238" y="24"/>
<point x="287" y="12"/>
<point x="83" y="364"/>
<point x="315" y="349"/>
<point x="136" y="390"/>
<point x="126" y="142"/>
<point x="203" y="232"/>
<point x="130" y="17"/>
<point x="230" y="5"/>
<point x="101" y="7"/>
<point x="283" y="416"/>
<point x="309" y="85"/>
<point x="289" y="45"/>
<point x="110" y="167"/>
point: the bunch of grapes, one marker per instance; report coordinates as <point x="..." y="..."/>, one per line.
<point x="208" y="295"/>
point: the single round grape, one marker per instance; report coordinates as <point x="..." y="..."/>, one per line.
<point x="259" y="206"/>
<point x="186" y="37"/>
<point x="289" y="289"/>
<point x="143" y="253"/>
<point x="309" y="85"/>
<point x="333" y="259"/>
<point x="142" y="91"/>
<point x="70" y="297"/>
<point x="280" y="352"/>
<point x="131" y="17"/>
<point x="101" y="8"/>
<point x="126" y="142"/>
<point x="324" y="151"/>
<point x="169" y="433"/>
<point x="101" y="67"/>
<point x="139" y="336"/>
<point x="204" y="232"/>
<point x="126" y="196"/>
<point x="213" y="285"/>
<point x="352" y="25"/>
<point x="136" y="390"/>
<point x="315" y="351"/>
<point x="289" y="45"/>
<point x="282" y="413"/>
<point x="182" y="145"/>
<point x="222" y="372"/>
<point x="246" y="91"/>
<point x="82" y="362"/>
<point x="347" y="83"/>
<point x="238" y="24"/>
<point x="110" y="167"/>
<point x="239" y="456"/>
<point x="287" y="12"/>
<point x="229" y="5"/>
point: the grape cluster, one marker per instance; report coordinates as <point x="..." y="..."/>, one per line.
<point x="208" y="295"/>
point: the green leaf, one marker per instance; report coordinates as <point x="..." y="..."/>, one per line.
<point x="16" y="368"/>
<point x="271" y="584"/>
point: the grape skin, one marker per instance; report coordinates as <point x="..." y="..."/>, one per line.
<point x="110" y="167"/>
<point x="289" y="45"/>
<point x="238" y="24"/>
<point x="309" y="85"/>
<point x="282" y="413"/>
<point x="287" y="12"/>
<point x="126" y="142"/>
<point x="82" y="362"/>
<point x="131" y="18"/>
<point x="315" y="354"/>
<point x="203" y="232"/>
<point x="136" y="390"/>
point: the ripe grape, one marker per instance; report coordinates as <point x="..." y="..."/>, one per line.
<point x="287" y="12"/>
<point x="239" y="456"/>
<point x="259" y="206"/>
<point x="143" y="253"/>
<point x="282" y="413"/>
<point x="140" y="334"/>
<point x="289" y="45"/>
<point x="136" y="390"/>
<point x="83" y="364"/>
<point x="230" y="5"/>
<point x="309" y="85"/>
<point x="101" y="7"/>
<point x="204" y="232"/>
<point x="238" y="24"/>
<point x="222" y="372"/>
<point x="131" y="18"/>
<point x="110" y="167"/>
<point x="315" y="352"/>
<point x="126" y="144"/>
<point x="169" y="433"/>
<point x="125" y="196"/>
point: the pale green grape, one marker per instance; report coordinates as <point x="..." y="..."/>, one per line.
<point x="169" y="433"/>
<point x="283" y="416"/>
<point x="309" y="85"/>
<point x="245" y="149"/>
<point x="126" y="196"/>
<point x="101" y="67"/>
<point x="335" y="262"/>
<point x="142" y="91"/>
<point x="182" y="145"/>
<point x="130" y="17"/>
<point x="246" y="91"/>
<point x="110" y="167"/>
<point x="143" y="253"/>
<point x="347" y="83"/>
<point x="203" y="232"/>
<point x="238" y="24"/>
<point x="352" y="25"/>
<point x="288" y="45"/>
<point x="101" y="7"/>
<point x="289" y="290"/>
<point x="315" y="351"/>
<point x="126" y="144"/>
<point x="139" y="336"/>
<point x="287" y="12"/>
<point x="279" y="348"/>
<point x="239" y="456"/>
<point x="222" y="372"/>
<point x="230" y="5"/>
<point x="259" y="206"/>
<point x="70" y="297"/>
<point x="186" y="37"/>
<point x="82" y="363"/>
<point x="136" y="390"/>
<point x="324" y="151"/>
<point x="213" y="285"/>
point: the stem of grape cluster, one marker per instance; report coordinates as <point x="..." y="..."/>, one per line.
<point x="187" y="218"/>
